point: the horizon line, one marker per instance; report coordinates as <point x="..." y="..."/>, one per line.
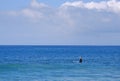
<point x="56" y="45"/>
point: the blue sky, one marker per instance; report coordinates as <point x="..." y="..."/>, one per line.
<point x="59" y="22"/>
<point x="19" y="4"/>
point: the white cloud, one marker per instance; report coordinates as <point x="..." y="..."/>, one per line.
<point x="35" y="4"/>
<point x="114" y="6"/>
<point x="72" y="22"/>
<point x="32" y="14"/>
<point x="110" y="5"/>
<point x="38" y="10"/>
<point x="34" y="11"/>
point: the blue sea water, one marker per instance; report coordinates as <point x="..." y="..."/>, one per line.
<point x="59" y="63"/>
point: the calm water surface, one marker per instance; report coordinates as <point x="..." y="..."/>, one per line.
<point x="59" y="63"/>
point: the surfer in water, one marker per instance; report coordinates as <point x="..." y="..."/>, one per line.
<point x="80" y="61"/>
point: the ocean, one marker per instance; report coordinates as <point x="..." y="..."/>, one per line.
<point x="59" y="63"/>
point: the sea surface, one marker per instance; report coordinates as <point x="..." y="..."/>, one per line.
<point x="59" y="63"/>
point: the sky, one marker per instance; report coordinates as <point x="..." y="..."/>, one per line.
<point x="59" y="22"/>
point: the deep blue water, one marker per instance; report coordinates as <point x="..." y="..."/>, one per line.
<point x="59" y="63"/>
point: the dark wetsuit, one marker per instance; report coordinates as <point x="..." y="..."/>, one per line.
<point x="80" y="60"/>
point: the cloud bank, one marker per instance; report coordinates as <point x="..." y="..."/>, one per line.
<point x="110" y="5"/>
<point x="72" y="23"/>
